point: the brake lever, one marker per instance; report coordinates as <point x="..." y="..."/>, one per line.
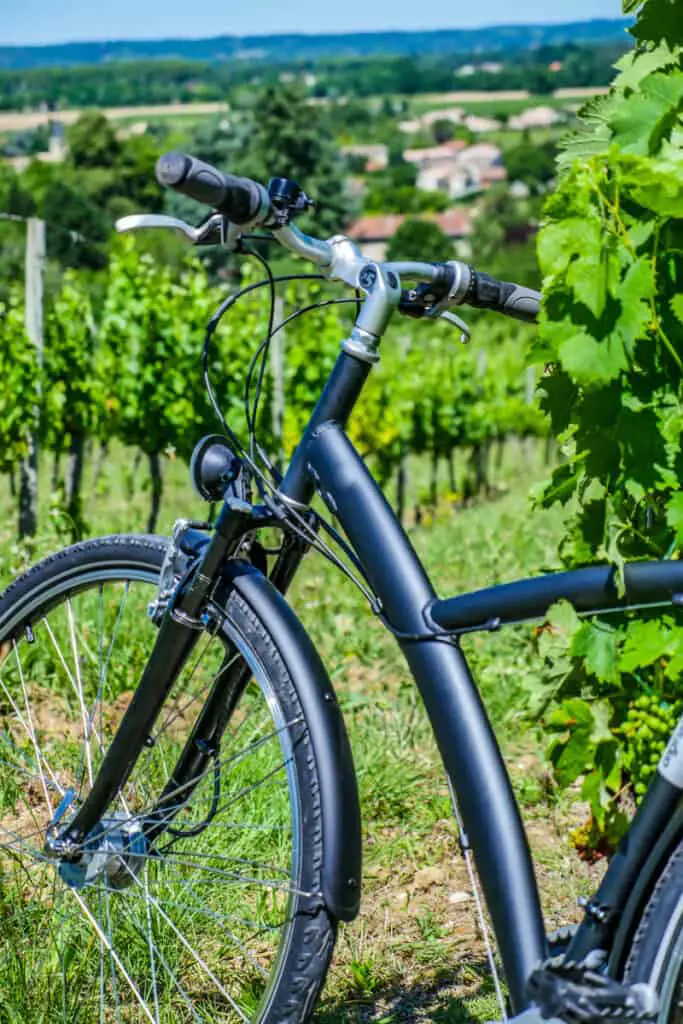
<point x="215" y="230"/>
<point x="451" y="318"/>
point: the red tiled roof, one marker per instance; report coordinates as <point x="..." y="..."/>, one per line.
<point x="383" y="226"/>
<point x="442" y="149"/>
<point x="455" y="223"/>
<point x="494" y="173"/>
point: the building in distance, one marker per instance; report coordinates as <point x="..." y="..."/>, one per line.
<point x="536" y="117"/>
<point x="457" y="169"/>
<point x="376" y="156"/>
<point x="373" y="233"/>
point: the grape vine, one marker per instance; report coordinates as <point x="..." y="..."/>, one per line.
<point x="611" y="252"/>
<point x="131" y="371"/>
<point x="19" y="393"/>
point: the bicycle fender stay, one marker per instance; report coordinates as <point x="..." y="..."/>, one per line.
<point x="341" y="869"/>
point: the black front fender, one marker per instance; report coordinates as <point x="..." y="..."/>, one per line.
<point x="341" y="870"/>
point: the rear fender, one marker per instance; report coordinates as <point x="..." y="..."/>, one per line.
<point x="341" y="869"/>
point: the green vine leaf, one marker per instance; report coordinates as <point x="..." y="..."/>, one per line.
<point x="674" y="515"/>
<point x="611" y="250"/>
<point x="643" y="120"/>
<point x="645" y="643"/>
<point x="597" y="644"/>
<point x="591" y="362"/>
<point x="677" y="307"/>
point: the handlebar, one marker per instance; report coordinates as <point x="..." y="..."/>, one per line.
<point x="240" y="199"/>
<point x="245" y="203"/>
<point x="513" y="300"/>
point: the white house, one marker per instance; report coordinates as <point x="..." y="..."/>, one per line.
<point x="460" y="171"/>
<point x="536" y="117"/>
<point x="481" y="125"/>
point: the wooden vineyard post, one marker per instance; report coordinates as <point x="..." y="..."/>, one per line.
<point x="28" y="470"/>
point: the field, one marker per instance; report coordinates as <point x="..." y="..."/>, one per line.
<point x="415" y="953"/>
<point x="16" y="121"/>
<point x="499" y="103"/>
<point x="503" y="101"/>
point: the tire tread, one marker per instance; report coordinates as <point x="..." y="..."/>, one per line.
<point x="307" y="960"/>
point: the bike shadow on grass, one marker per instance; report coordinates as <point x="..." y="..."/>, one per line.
<point x="435" y="1003"/>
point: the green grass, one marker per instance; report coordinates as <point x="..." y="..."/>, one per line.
<point x="415" y="952"/>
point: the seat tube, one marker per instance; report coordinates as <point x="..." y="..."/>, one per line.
<point x="464" y="735"/>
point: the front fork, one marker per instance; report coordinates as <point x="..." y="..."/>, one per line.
<point x="183" y="619"/>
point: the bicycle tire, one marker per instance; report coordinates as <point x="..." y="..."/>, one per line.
<point x="309" y="937"/>
<point x="656" y="953"/>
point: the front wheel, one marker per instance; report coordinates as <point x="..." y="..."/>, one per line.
<point x="215" y="917"/>
<point x="656" y="956"/>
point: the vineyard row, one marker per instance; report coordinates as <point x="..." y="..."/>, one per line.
<point x="130" y="370"/>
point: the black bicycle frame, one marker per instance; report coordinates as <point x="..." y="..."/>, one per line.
<point x="427" y="630"/>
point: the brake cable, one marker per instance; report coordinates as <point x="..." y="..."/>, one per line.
<point x="297" y="523"/>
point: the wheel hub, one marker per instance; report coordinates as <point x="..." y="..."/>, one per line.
<point x="114" y="851"/>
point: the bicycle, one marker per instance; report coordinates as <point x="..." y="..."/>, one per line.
<point x="142" y="836"/>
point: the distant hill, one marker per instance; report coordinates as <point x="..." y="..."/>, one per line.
<point x="300" y="47"/>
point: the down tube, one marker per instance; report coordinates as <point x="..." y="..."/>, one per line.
<point x="468" y="747"/>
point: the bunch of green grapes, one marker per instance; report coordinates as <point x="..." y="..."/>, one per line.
<point x="646" y="731"/>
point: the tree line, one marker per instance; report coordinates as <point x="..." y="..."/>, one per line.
<point x="131" y="83"/>
<point x="108" y="174"/>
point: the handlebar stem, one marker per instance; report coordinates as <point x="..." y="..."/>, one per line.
<point x="340" y="259"/>
<point x="383" y="291"/>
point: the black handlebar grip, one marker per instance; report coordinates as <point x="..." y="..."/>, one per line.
<point x="514" y="300"/>
<point x="238" y="198"/>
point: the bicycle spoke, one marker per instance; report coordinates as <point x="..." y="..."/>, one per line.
<point x="31" y="730"/>
<point x="231" y="877"/>
<point x="152" y="950"/>
<point x="102" y="968"/>
<point x="226" y="859"/>
<point x="171" y="973"/>
<point x="112" y="961"/>
<point x="201" y="909"/>
<point x="20" y="844"/>
<point x="78" y="686"/>
<point x="193" y="927"/>
<point x="176" y="713"/>
<point x="30" y="775"/>
<point x="114" y="955"/>
<point x="221" y="918"/>
<point x="97" y="708"/>
<point x="103" y="665"/>
<point x="199" y="960"/>
<point x="20" y="719"/>
<point x="191" y="784"/>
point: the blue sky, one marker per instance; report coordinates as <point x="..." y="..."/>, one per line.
<point x="51" y="21"/>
